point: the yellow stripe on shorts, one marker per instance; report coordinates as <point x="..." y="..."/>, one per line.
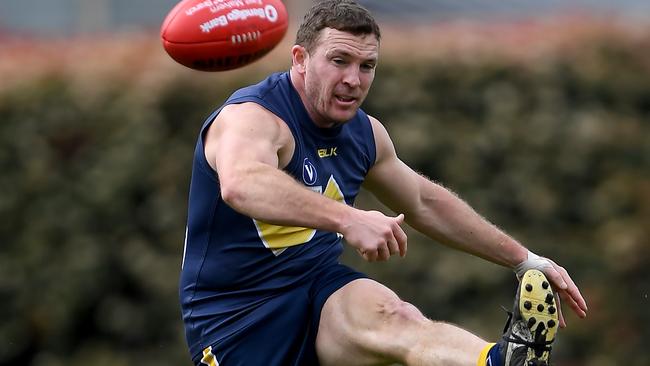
<point x="208" y="357"/>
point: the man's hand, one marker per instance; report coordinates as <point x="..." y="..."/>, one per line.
<point x="376" y="236"/>
<point x="561" y="282"/>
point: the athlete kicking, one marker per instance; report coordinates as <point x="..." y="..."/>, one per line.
<point x="275" y="174"/>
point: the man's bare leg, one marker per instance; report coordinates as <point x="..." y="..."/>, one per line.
<point x="365" y="323"/>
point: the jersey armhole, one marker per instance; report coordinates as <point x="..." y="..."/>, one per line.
<point x="297" y="151"/>
<point x="204" y="166"/>
<point x="372" y="146"/>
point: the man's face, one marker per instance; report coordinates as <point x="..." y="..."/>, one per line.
<point x="338" y="75"/>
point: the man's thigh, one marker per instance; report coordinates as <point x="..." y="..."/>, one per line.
<point x="365" y="323"/>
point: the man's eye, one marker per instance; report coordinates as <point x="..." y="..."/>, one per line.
<point x="338" y="61"/>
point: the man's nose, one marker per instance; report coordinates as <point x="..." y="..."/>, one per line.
<point x="351" y="76"/>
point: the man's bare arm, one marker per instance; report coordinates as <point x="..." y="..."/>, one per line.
<point x="247" y="145"/>
<point x="440" y="214"/>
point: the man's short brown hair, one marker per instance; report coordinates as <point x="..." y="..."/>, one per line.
<point x="343" y="15"/>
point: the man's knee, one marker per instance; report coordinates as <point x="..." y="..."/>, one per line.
<point x="398" y="312"/>
<point x="367" y="321"/>
<point x="396" y="329"/>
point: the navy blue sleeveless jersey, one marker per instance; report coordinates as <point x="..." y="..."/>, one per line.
<point x="233" y="263"/>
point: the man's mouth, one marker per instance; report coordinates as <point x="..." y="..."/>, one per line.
<point x="345" y="99"/>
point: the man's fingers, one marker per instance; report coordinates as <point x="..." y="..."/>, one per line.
<point x="368" y="255"/>
<point x="403" y="247"/>
<point x="573" y="291"/>
<point x="391" y="239"/>
<point x="393" y="247"/>
<point x="560" y="315"/>
<point x="573" y="304"/>
<point x="383" y="253"/>
<point x="571" y="294"/>
<point x="555" y="277"/>
<point x="568" y="291"/>
<point x="561" y="282"/>
<point x="400" y="236"/>
<point x="578" y="303"/>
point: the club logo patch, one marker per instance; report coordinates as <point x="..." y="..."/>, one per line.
<point x="309" y="174"/>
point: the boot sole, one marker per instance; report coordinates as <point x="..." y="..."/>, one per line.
<point x="538" y="309"/>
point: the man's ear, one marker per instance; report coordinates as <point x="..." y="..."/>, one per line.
<point x="299" y="57"/>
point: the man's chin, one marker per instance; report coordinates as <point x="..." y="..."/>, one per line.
<point x="343" y="116"/>
<point x="337" y="116"/>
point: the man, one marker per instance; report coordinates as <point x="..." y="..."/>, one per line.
<point x="276" y="171"/>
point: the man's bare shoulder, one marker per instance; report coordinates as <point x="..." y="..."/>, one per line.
<point x="383" y="142"/>
<point x="250" y="126"/>
<point x="248" y="111"/>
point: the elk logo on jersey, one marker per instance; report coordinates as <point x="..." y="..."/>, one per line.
<point x="326" y="153"/>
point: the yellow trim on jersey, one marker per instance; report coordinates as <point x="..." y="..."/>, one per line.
<point x="333" y="190"/>
<point x="277" y="237"/>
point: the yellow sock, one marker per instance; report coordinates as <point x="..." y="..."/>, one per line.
<point x="482" y="357"/>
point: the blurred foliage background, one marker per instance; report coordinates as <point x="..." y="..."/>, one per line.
<point x="543" y="127"/>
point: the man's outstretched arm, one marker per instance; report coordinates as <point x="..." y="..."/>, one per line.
<point x="441" y="215"/>
<point x="247" y="146"/>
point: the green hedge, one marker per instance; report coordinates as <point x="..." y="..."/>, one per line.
<point x="96" y="164"/>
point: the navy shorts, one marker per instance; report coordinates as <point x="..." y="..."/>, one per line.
<point x="281" y="331"/>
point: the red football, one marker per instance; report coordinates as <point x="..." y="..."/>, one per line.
<point x="218" y="35"/>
